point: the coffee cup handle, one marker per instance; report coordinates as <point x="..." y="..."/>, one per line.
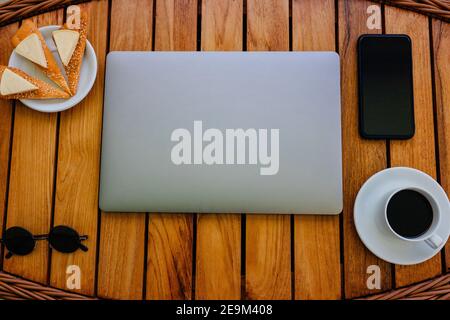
<point x="434" y="241"/>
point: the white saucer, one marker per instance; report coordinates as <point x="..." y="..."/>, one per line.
<point x="88" y="74"/>
<point x="371" y="225"/>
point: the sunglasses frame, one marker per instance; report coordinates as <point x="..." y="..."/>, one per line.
<point x="41" y="237"/>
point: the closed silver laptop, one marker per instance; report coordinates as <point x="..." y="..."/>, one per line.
<point x="229" y="132"/>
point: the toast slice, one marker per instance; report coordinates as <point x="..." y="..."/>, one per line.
<point x="71" y="44"/>
<point x="16" y="84"/>
<point x="29" y="43"/>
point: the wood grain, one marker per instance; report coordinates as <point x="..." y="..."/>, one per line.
<point x="218" y="257"/>
<point x="222" y="25"/>
<point x="131" y="25"/>
<point x="169" y="264"/>
<point x="76" y="202"/>
<point x="121" y="258"/>
<point x="176" y="25"/>
<point x="31" y="189"/>
<point x="268" y="247"/>
<point x="170" y="240"/>
<point x="417" y="152"/>
<point x="316" y="238"/>
<point x="122" y="237"/>
<point x="313" y="25"/>
<point x="361" y="158"/>
<point x="441" y="51"/>
<point x="6" y="119"/>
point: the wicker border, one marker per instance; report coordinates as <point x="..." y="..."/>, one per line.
<point x="434" y="289"/>
<point x="15" y="288"/>
<point x="16" y="10"/>
<point x="439" y="9"/>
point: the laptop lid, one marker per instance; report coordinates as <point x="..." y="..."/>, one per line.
<point x="231" y="132"/>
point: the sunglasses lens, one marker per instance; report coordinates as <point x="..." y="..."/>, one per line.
<point x="64" y="239"/>
<point x="19" y="241"/>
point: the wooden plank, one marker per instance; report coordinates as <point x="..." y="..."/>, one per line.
<point x="316" y="238"/>
<point x="76" y="202"/>
<point x="169" y="263"/>
<point x="268" y="247"/>
<point x="222" y="25"/>
<point x="313" y="25"/>
<point x="441" y="50"/>
<point x="32" y="178"/>
<point x="361" y="158"/>
<point x="218" y="258"/>
<point x="170" y="240"/>
<point x="6" y="119"/>
<point x="121" y="258"/>
<point x="122" y="235"/>
<point x="417" y="152"/>
<point x="176" y="25"/>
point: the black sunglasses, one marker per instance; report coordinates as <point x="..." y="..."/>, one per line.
<point x="21" y="242"/>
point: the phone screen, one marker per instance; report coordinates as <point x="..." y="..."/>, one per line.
<point x="385" y="87"/>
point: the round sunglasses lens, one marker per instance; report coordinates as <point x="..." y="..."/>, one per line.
<point x="64" y="239"/>
<point x="19" y="241"/>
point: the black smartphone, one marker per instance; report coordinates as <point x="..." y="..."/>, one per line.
<point x="386" y="105"/>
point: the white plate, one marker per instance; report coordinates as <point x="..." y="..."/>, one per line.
<point x="87" y="75"/>
<point x="369" y="215"/>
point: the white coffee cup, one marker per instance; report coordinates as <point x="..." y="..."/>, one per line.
<point x="429" y="237"/>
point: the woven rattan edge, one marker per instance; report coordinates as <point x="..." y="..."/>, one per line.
<point x="435" y="9"/>
<point x="433" y="289"/>
<point x="16" y="10"/>
<point x="16" y="288"/>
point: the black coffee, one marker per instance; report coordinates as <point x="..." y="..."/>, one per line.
<point x="409" y="213"/>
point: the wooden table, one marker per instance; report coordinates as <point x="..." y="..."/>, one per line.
<point x="49" y="163"/>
